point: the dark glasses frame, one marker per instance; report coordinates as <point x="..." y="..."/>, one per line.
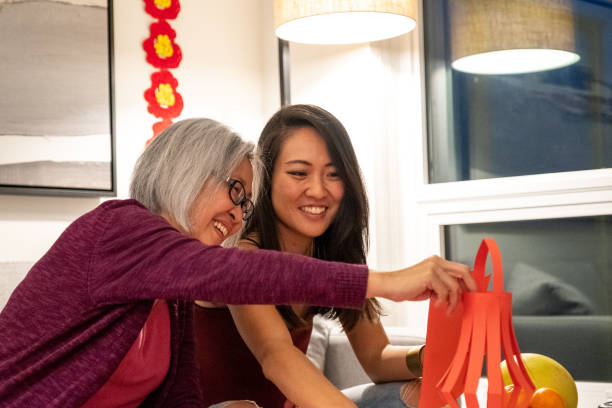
<point x="237" y="193"/>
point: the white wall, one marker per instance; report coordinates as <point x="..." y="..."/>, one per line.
<point x="226" y="74"/>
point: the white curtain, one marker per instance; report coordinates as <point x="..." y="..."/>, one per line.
<point x="374" y="89"/>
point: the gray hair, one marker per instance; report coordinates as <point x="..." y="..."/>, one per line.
<point x="170" y="173"/>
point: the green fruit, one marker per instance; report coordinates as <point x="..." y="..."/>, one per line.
<point x="546" y="372"/>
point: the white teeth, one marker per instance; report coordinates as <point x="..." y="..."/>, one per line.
<point x="221" y="228"/>
<point x="313" y="210"/>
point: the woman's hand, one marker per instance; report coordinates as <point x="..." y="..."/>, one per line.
<point x="434" y="278"/>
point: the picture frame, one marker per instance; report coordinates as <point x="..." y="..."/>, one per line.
<point x="57" y="127"/>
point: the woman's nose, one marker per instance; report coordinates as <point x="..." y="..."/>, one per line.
<point x="316" y="188"/>
<point x="236" y="212"/>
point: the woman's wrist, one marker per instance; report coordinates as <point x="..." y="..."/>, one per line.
<point x="414" y="360"/>
<point x="374" y="286"/>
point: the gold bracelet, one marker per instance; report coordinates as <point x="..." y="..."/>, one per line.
<point x="414" y="359"/>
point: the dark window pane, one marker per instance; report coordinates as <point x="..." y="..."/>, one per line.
<point x="560" y="274"/>
<point x="485" y="126"/>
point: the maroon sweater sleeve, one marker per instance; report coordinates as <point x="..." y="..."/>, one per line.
<point x="138" y="255"/>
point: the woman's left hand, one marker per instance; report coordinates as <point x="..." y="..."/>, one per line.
<point x="434" y="277"/>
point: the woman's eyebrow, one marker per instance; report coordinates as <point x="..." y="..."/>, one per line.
<point x="298" y="161"/>
<point x="307" y="163"/>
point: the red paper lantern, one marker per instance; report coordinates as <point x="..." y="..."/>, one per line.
<point x="163" y="9"/>
<point x="457" y="344"/>
<point x="162" y="51"/>
<point x="164" y="101"/>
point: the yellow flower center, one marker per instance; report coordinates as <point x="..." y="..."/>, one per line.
<point x="163" y="46"/>
<point x="162" y="4"/>
<point x="165" y="95"/>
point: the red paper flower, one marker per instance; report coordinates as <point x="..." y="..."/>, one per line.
<point x="162" y="51"/>
<point x="163" y="9"/>
<point x="164" y="101"/>
<point x="158" y="127"/>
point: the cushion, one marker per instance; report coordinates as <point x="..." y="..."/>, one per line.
<point x="319" y="339"/>
<point x="330" y="350"/>
<point x="535" y="292"/>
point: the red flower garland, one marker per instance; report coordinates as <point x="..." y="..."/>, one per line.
<point x="158" y="8"/>
<point x="162" y="51"/>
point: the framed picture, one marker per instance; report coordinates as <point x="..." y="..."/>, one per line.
<point x="56" y="106"/>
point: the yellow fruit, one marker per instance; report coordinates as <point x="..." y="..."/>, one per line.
<point x="547" y="373"/>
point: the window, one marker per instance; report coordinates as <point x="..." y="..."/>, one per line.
<point x="487" y="126"/>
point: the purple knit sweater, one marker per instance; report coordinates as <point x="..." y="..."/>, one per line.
<point x="72" y="319"/>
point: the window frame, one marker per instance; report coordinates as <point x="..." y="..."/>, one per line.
<point x="504" y="193"/>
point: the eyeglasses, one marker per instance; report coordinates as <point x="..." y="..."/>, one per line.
<point x="237" y="194"/>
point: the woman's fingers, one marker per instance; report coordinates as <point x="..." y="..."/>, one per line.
<point x="449" y="280"/>
<point x="440" y="290"/>
<point x="460" y="271"/>
<point x="454" y="293"/>
<point x="450" y="289"/>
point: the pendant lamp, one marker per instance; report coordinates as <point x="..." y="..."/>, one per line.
<point x="511" y="36"/>
<point x="342" y="21"/>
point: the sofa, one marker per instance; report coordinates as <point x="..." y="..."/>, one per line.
<point x="562" y="311"/>
<point x="331" y="352"/>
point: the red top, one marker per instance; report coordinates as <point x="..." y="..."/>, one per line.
<point x="228" y="370"/>
<point x="143" y="368"/>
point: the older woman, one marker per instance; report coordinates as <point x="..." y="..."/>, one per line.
<point x="104" y="317"/>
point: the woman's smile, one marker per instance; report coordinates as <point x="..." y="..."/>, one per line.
<point x="313" y="210"/>
<point x="222" y="228"/>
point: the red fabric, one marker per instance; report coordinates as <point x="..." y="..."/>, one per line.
<point x="143" y="368"/>
<point x="228" y="370"/>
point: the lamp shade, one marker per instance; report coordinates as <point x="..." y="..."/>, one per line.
<point x="342" y="21"/>
<point x="511" y="36"/>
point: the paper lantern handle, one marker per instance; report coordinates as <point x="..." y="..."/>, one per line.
<point x="488" y="247"/>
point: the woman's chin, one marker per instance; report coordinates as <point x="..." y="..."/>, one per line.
<point x="314" y="232"/>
